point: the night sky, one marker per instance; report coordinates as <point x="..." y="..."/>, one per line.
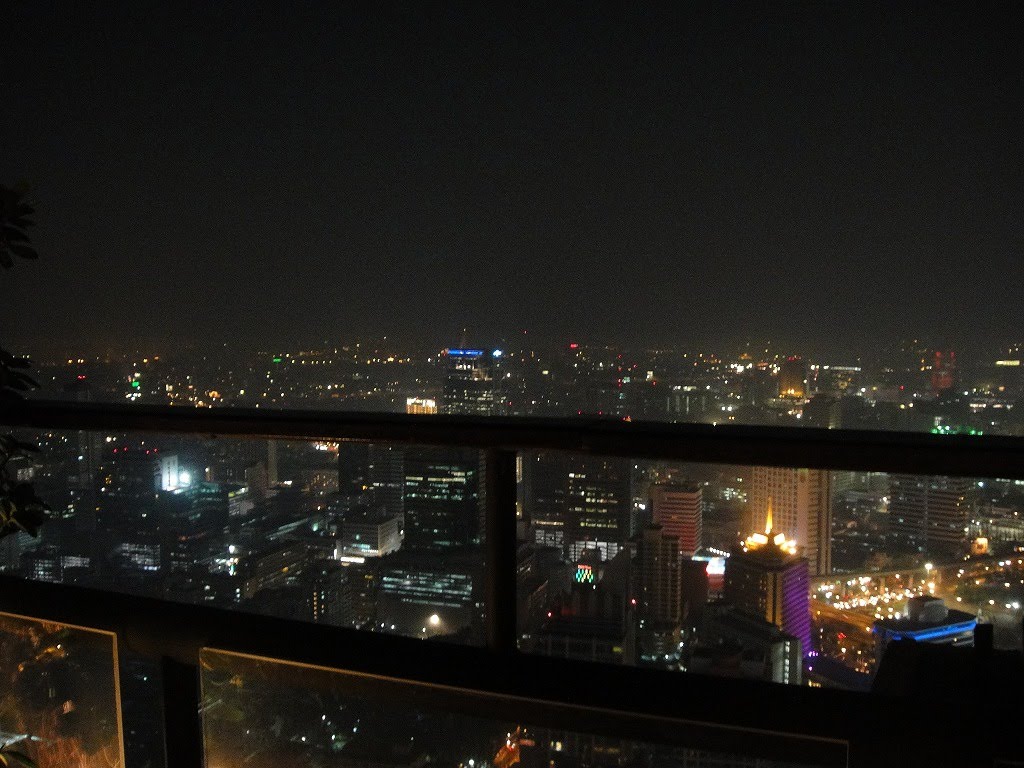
<point x="822" y="174"/>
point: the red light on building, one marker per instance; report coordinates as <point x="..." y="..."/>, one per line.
<point x="943" y="370"/>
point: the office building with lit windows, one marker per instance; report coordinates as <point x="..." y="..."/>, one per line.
<point x="766" y="577"/>
<point x="472" y="382"/>
<point x="929" y="514"/>
<point x="598" y="506"/>
<point x="442" y="498"/>
<point x="678" y="509"/>
<point x="801" y="504"/>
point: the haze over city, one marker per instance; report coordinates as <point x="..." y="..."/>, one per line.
<point x="825" y="176"/>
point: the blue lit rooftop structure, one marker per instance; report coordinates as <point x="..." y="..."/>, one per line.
<point x="464" y="352"/>
<point x="928" y="621"/>
<point x="933" y="634"/>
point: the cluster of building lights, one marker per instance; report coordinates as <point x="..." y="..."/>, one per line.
<point x="758" y="540"/>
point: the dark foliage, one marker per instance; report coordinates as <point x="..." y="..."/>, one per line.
<point x="20" y="508"/>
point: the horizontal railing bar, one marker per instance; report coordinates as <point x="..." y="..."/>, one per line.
<point x="773" y="720"/>
<point x="926" y="454"/>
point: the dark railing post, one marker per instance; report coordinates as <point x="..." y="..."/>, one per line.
<point x="500" y="536"/>
<point x="183" y="727"/>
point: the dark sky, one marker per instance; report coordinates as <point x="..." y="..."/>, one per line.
<point x="820" y="173"/>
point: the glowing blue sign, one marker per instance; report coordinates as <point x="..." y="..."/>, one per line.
<point x="939" y="633"/>
<point x="464" y="352"/>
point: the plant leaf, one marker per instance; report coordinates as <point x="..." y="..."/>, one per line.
<point x="25" y="251"/>
<point x="12" y="234"/>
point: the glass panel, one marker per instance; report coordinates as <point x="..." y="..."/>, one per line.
<point x="277" y="713"/>
<point x="357" y="535"/>
<point x="60" y="702"/>
<point x="795" y="576"/>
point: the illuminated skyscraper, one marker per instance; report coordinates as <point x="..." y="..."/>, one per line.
<point x="678" y="508"/>
<point x="472" y="382"/>
<point x="802" y="509"/>
<point x="442" y="499"/>
<point x="598" y="506"/>
<point x="929" y="514"/>
<point x="793" y="377"/>
<point x="765" y="577"/>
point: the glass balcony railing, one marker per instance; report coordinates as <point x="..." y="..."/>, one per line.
<point x="274" y="712"/>
<point x="60" y="702"/>
<point x="311" y="548"/>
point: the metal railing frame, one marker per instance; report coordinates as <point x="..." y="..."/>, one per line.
<point x="740" y="716"/>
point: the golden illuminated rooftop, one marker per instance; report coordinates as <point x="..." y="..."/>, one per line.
<point x="756" y="541"/>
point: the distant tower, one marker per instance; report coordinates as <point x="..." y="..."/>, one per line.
<point x="943" y="371"/>
<point x="472" y="382"/>
<point x="802" y="501"/>
<point x="793" y="377"/>
<point x="678" y="509"/>
<point x="765" y="577"/>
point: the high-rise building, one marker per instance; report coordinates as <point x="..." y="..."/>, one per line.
<point x="128" y="488"/>
<point x="442" y="498"/>
<point x="678" y="509"/>
<point x="472" y="382"/>
<point x="353" y="470"/>
<point x="598" y="506"/>
<point x="660" y="596"/>
<point x="793" y="377"/>
<point x="801" y="504"/>
<point x="766" y="577"/>
<point x="544" y="480"/>
<point x="768" y="653"/>
<point x="943" y="371"/>
<point x="660" y="577"/>
<point x="929" y="514"/>
<point x="594" y="618"/>
<point x="370" y="474"/>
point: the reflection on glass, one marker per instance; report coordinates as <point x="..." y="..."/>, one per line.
<point x="59" y="701"/>
<point x="263" y="713"/>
